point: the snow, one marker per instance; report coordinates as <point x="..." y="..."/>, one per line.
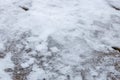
<point x="5" y="63"/>
<point x="65" y="36"/>
<point x="30" y="62"/>
<point x="54" y="49"/>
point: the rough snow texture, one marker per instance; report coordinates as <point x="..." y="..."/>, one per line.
<point x="59" y="39"/>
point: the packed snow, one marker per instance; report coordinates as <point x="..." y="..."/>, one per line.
<point x="59" y="39"/>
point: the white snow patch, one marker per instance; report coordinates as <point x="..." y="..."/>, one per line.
<point x="5" y="63"/>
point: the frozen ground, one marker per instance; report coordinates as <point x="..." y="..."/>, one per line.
<point x="59" y="39"/>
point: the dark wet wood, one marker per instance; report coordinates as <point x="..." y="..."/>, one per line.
<point x="116" y="48"/>
<point x="24" y="8"/>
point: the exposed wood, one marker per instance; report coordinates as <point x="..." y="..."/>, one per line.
<point x="24" y="8"/>
<point x="116" y="48"/>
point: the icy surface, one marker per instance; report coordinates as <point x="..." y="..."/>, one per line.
<point x="59" y="39"/>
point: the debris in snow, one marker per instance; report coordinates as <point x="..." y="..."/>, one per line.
<point x="28" y="50"/>
<point x="117" y="66"/>
<point x="114" y="4"/>
<point x="115" y="7"/>
<point x="2" y="54"/>
<point x="20" y="73"/>
<point x="24" y="8"/>
<point x="8" y="70"/>
<point x="116" y="48"/>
